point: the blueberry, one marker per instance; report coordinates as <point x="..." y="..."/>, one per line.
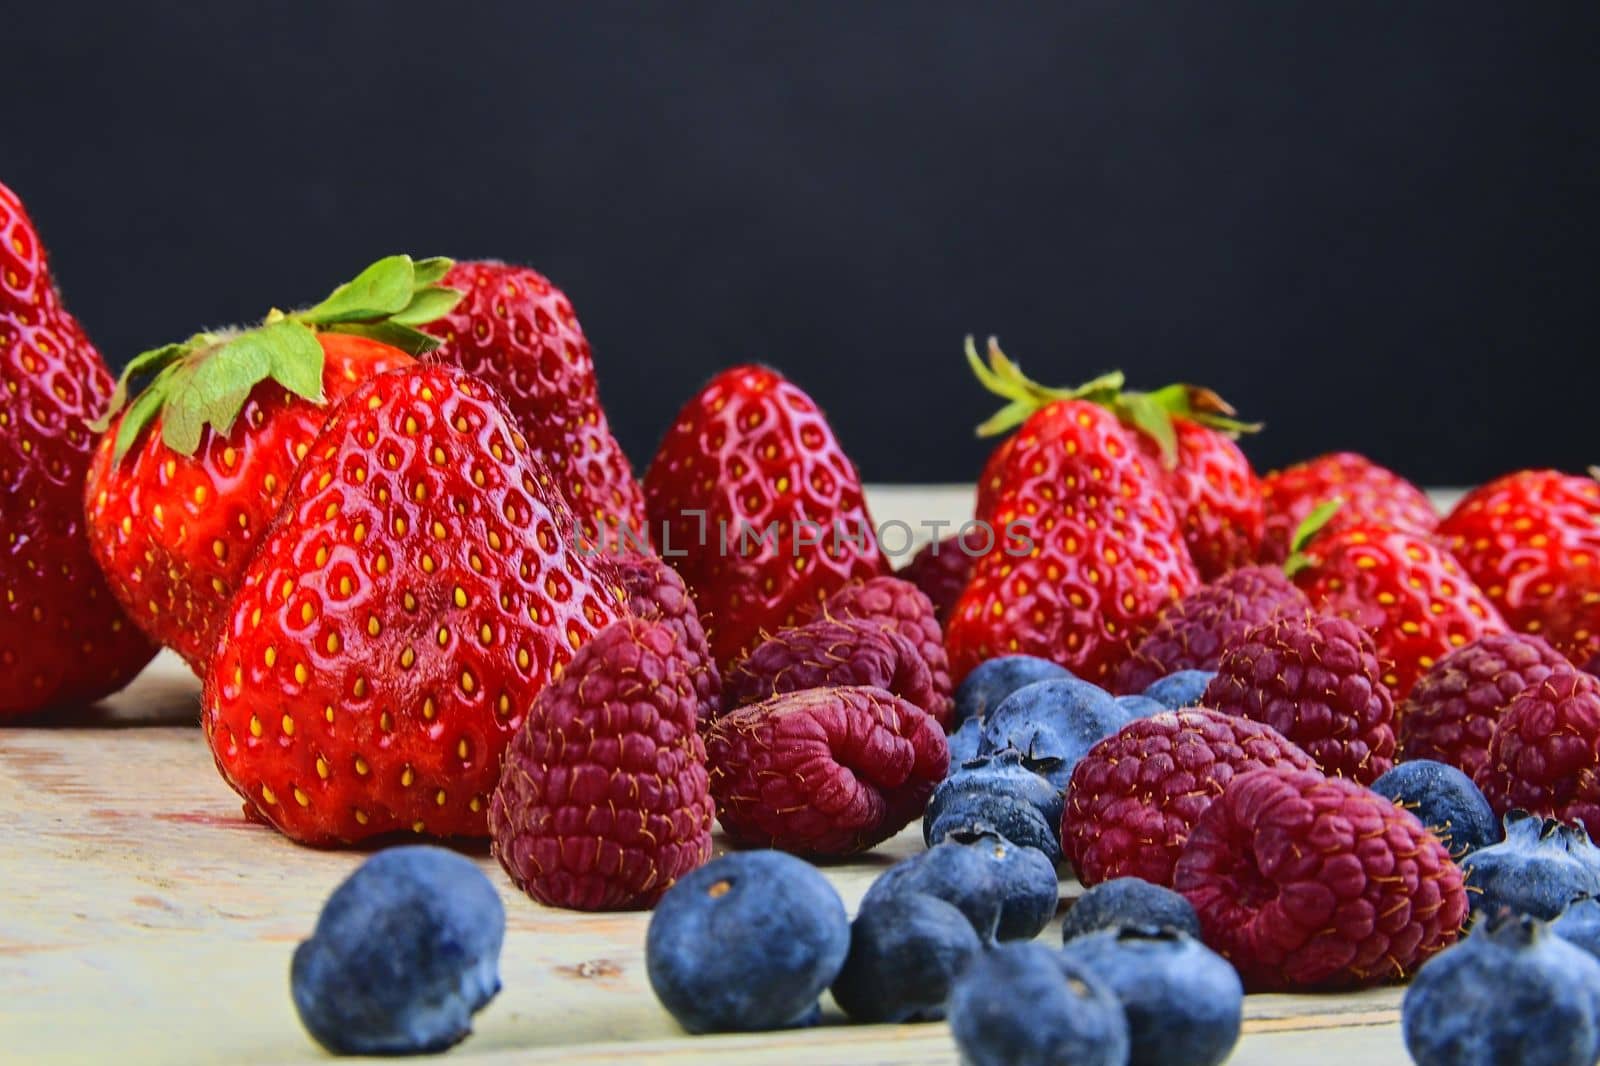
<point x="1129" y="901"/>
<point x="1053" y="719"/>
<point x="1580" y="924"/>
<point x="1540" y="867"/>
<point x="994" y="680"/>
<point x="746" y="942"/>
<point x="1510" y="993"/>
<point x="1183" y="1001"/>
<point x="905" y="951"/>
<point x="1000" y="793"/>
<point x="1446" y="801"/>
<point x="1007" y="891"/>
<point x="964" y="743"/>
<point x="1140" y="706"/>
<point x="405" y="951"/>
<point x="1026" y="1005"/>
<point x="1181" y="689"/>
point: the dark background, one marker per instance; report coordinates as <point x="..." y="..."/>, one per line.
<point x="1371" y="225"/>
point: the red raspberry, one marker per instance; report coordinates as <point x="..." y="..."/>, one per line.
<point x="1311" y="882"/>
<point x="1315" y="680"/>
<point x="942" y="568"/>
<point x="1192" y="633"/>
<point x="901" y="606"/>
<point x="827" y="654"/>
<point x="1136" y="795"/>
<point x="657" y="594"/>
<point x="824" y="771"/>
<point x="1544" y="757"/>
<point x="1452" y="710"/>
<point x="604" y="799"/>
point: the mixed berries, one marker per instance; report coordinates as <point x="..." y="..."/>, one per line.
<point x="1292" y="732"/>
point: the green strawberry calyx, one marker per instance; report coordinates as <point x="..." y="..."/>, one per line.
<point x="205" y="380"/>
<point x="1306" y="532"/>
<point x="1149" y="412"/>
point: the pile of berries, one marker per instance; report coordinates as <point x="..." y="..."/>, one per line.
<point x="1289" y="731"/>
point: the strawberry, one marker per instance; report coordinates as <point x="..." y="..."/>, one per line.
<point x="1369" y="493"/>
<point x="1531" y="540"/>
<point x="63" y="639"/>
<point x="1187" y="432"/>
<point x="758" y="507"/>
<point x="1088" y="546"/>
<point x="188" y="479"/>
<point x="397" y="622"/>
<point x="1402" y="587"/>
<point x="519" y="333"/>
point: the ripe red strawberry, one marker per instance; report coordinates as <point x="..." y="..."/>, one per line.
<point x="1315" y="680"/>
<point x="63" y="638"/>
<point x="1192" y="633"/>
<point x="396" y="624"/>
<point x="824" y="771"/>
<point x="758" y="506"/>
<point x="1531" y="540"/>
<point x="1088" y="546"/>
<point x="1452" y="710"/>
<point x="657" y="594"/>
<point x="1544" y="757"/>
<point x="205" y="437"/>
<point x="899" y="606"/>
<point x="518" y="332"/>
<point x="1371" y="493"/>
<point x="1309" y="882"/>
<point x="1136" y="795"/>
<point x="603" y="801"/>
<point x="1409" y="593"/>
<point x="826" y="654"/>
<point x="1187" y="434"/>
<point x="942" y="568"/>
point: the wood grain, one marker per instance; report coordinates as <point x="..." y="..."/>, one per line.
<point x="144" y="920"/>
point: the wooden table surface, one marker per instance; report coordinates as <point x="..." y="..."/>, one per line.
<point x="142" y="919"/>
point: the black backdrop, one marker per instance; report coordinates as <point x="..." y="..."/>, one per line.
<point x="1372" y="225"/>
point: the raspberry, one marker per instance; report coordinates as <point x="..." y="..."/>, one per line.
<point x="1136" y="796"/>
<point x="1451" y="712"/>
<point x="603" y="799"/>
<point x="1316" y="681"/>
<point x="942" y="568"/>
<point x="1310" y="882"/>
<point x="824" y="771"/>
<point x="826" y="654"/>
<point x="657" y="594"/>
<point x="902" y="607"/>
<point x="1192" y="633"/>
<point x="1545" y="754"/>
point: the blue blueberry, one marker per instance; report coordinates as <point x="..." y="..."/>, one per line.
<point x="1183" y="1001"/>
<point x="1007" y="891"/>
<point x="905" y="952"/>
<point x="405" y="951"/>
<point x="1540" y="867"/>
<point x="1183" y="688"/>
<point x="1025" y="1004"/>
<point x="992" y="681"/>
<point x="1446" y="801"/>
<point x="1140" y="706"/>
<point x="1129" y="901"/>
<point x="1580" y="924"/>
<point x="1512" y="992"/>
<point x="1001" y="793"/>
<point x="1029" y="888"/>
<point x="746" y="942"/>
<point x="1058" y="720"/>
<point x="964" y="744"/>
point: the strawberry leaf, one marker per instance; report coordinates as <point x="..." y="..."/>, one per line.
<point x="427" y="305"/>
<point x="295" y="357"/>
<point x="1306" y="532"/>
<point x="431" y="271"/>
<point x="181" y="420"/>
<point x="408" y="340"/>
<point x="382" y="289"/>
<point x="140" y="366"/>
<point x="144" y="409"/>
<point x="1154" y="421"/>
